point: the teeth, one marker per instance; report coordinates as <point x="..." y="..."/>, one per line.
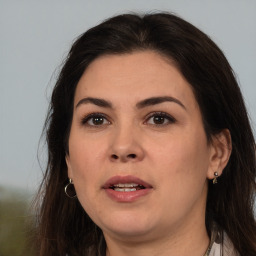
<point x="125" y="189"/>
<point x="125" y="185"/>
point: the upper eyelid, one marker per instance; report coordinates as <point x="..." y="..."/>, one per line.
<point x="169" y="118"/>
<point x="159" y="113"/>
<point x="86" y="117"/>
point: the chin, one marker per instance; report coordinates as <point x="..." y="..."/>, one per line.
<point x="127" y="226"/>
<point x="133" y="234"/>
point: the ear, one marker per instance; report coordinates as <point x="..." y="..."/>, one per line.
<point x="70" y="173"/>
<point x="221" y="148"/>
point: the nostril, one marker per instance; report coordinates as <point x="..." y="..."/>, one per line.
<point x="123" y="157"/>
<point x="131" y="156"/>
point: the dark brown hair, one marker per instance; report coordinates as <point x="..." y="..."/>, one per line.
<point x="64" y="227"/>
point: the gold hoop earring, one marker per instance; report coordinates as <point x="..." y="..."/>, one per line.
<point x="215" y="178"/>
<point x="70" y="191"/>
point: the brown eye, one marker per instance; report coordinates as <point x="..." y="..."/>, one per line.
<point x="160" y="119"/>
<point x="95" y="120"/>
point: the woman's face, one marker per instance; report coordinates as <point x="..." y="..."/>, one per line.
<point x="138" y="153"/>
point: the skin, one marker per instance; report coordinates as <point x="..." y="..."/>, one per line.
<point x="173" y="156"/>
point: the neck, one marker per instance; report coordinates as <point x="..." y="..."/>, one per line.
<point x="189" y="240"/>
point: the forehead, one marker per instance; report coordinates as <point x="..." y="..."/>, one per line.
<point x="133" y="76"/>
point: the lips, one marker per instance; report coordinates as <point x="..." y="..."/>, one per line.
<point x="126" y="188"/>
<point x="123" y="181"/>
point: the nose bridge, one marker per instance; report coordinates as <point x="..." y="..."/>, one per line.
<point x="126" y="143"/>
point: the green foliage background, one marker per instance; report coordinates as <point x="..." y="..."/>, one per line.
<point x="16" y="223"/>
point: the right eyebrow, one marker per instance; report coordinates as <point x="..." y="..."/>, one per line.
<point x="158" y="100"/>
<point x="95" y="101"/>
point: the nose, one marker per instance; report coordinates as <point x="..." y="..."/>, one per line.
<point x="126" y="146"/>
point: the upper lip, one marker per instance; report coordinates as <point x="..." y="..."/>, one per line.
<point x="124" y="180"/>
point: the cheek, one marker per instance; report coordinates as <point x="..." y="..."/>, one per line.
<point x="85" y="167"/>
<point x="181" y="175"/>
<point x="85" y="164"/>
<point x="85" y="153"/>
<point x="183" y="160"/>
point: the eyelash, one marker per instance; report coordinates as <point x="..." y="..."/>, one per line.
<point x="168" y="119"/>
<point x="86" y="119"/>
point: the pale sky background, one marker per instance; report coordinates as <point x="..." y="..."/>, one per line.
<point x="35" y="36"/>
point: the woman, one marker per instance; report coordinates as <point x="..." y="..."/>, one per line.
<point x="148" y="133"/>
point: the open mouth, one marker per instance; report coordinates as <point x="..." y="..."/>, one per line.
<point x="126" y="187"/>
<point x="126" y="184"/>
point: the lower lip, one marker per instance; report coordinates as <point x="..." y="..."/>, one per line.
<point x="127" y="196"/>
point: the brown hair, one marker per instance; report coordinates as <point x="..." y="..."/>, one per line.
<point x="64" y="227"/>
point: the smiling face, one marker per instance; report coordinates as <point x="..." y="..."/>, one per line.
<point x="138" y="153"/>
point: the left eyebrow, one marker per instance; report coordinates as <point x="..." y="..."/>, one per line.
<point x="96" y="101"/>
<point x="158" y="100"/>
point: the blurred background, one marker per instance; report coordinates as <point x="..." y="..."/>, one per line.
<point x="35" y="38"/>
